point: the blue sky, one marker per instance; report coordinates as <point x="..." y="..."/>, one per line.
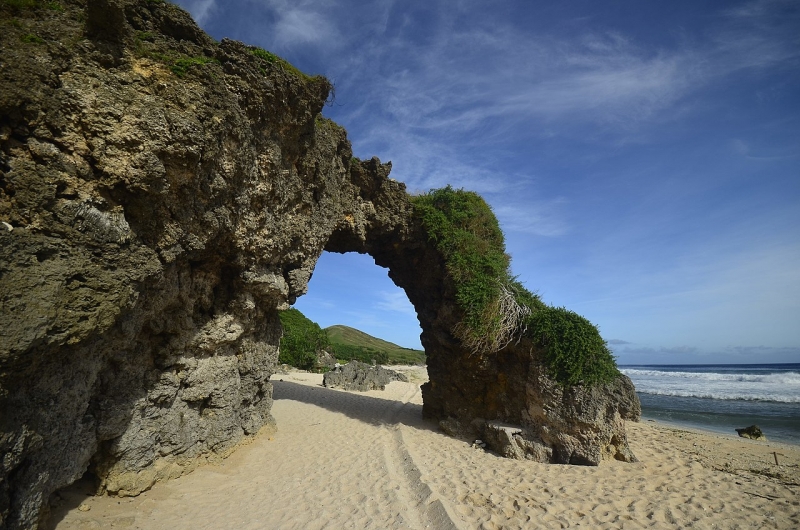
<point x="643" y="157"/>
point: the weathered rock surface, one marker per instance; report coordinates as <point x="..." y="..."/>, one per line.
<point x="360" y="376"/>
<point x="325" y="360"/>
<point x="162" y="197"/>
<point x="159" y="222"/>
<point x="752" y="432"/>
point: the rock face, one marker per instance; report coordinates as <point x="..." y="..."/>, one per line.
<point x="324" y="360"/>
<point x="162" y="197"/>
<point x="360" y="376"/>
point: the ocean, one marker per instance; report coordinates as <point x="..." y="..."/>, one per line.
<point x="722" y="397"/>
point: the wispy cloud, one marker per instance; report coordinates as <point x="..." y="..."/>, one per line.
<point x="758" y="351"/>
<point x="760" y="34"/>
<point x="535" y="217"/>
<point x="201" y="10"/>
<point x="459" y="79"/>
<point x="394" y="301"/>
<point x="663" y="350"/>
<point x="303" y="22"/>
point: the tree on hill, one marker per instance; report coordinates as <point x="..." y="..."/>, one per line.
<point x="301" y="340"/>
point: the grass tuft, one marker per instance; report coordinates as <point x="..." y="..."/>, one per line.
<point x="181" y="67"/>
<point x="30" y="38"/>
<point x="466" y="232"/>
<point x="280" y="62"/>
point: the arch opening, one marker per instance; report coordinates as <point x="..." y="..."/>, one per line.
<point x="351" y="290"/>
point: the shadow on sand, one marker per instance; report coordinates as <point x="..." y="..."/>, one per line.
<point x="369" y="409"/>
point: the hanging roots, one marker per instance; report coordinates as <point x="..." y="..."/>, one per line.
<point x="508" y="321"/>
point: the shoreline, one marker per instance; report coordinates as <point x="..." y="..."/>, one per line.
<point x="368" y="460"/>
<point x="721" y="398"/>
<point x="691" y="427"/>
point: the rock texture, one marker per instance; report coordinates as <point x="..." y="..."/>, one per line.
<point x="158" y="223"/>
<point x="360" y="376"/>
<point x="162" y="196"/>
<point x="752" y="432"/>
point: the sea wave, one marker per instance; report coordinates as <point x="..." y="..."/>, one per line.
<point x="733" y="396"/>
<point x="781" y="378"/>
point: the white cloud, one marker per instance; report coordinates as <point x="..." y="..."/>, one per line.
<point x="662" y="350"/>
<point x="462" y="79"/>
<point x="395" y="301"/>
<point x="539" y="218"/>
<point x="201" y="10"/>
<point x="297" y="26"/>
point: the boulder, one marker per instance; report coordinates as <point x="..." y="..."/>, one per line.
<point x="753" y="432"/>
<point x="360" y="376"/>
<point x="325" y="360"/>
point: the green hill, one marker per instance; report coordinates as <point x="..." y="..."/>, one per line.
<point x="301" y="340"/>
<point x="348" y="343"/>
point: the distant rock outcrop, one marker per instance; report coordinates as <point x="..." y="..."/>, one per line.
<point x="162" y="196"/>
<point x="360" y="376"/>
<point x="753" y="432"/>
<point x="325" y="360"/>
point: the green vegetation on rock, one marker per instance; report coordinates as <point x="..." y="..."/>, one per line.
<point x="574" y="350"/>
<point x="30" y="38"/>
<point x="301" y="340"/>
<point x="147" y="45"/>
<point x="466" y="232"/>
<point x="181" y="66"/>
<point x="278" y="61"/>
<point x="348" y="344"/>
<point x="496" y="308"/>
<point x="22" y="4"/>
<point x="30" y="4"/>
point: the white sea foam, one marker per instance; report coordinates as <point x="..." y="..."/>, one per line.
<point x="784" y="378"/>
<point x="781" y="387"/>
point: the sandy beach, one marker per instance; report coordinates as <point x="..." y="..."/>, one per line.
<point x="368" y="460"/>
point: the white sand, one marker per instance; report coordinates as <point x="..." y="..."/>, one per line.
<point x="368" y="460"/>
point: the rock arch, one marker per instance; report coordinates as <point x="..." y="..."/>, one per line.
<point x="157" y="216"/>
<point x="506" y="397"/>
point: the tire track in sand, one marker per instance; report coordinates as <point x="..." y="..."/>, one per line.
<point x="426" y="509"/>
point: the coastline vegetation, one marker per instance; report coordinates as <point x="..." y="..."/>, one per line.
<point x="497" y="309"/>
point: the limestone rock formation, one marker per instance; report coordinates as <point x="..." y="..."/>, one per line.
<point x="325" y="360"/>
<point x="162" y="197"/>
<point x="161" y="210"/>
<point x="360" y="376"/>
